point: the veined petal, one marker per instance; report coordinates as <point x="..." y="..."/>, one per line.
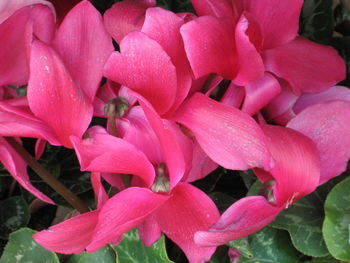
<point x="108" y="154"/>
<point x="17" y="167"/>
<point x="230" y="137"/>
<point x="327" y="124"/>
<point x="126" y="16"/>
<point x="210" y="46"/>
<point x="307" y="66"/>
<point x="123" y="212"/>
<point x="54" y="97"/>
<point x="297" y="169"/>
<point x="76" y="44"/>
<point x="70" y="236"/>
<point x="279" y="20"/>
<point x="187" y="211"/>
<point x="144" y="67"/>
<point x="243" y="218"/>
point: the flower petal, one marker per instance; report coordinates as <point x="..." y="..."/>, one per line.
<point x="328" y="125"/>
<point x="307" y="66"/>
<point x="230" y="137"/>
<point x="218" y="8"/>
<point x="76" y="44"/>
<point x="70" y="236"/>
<point x="243" y="218"/>
<point x="123" y="212"/>
<point x="187" y="211"/>
<point x="54" y="97"/>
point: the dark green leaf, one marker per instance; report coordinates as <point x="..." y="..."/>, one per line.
<point x="14" y="214"/>
<point x="21" y="248"/>
<point x="242" y="245"/>
<point x="103" y="255"/>
<point x="132" y="250"/>
<point x="328" y="259"/>
<point x="336" y="226"/>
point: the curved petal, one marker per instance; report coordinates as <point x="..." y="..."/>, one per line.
<point x="123" y="212"/>
<point x="54" y="97"/>
<point x="100" y="192"/>
<point x="17" y="167"/>
<point x="126" y="16"/>
<point x="334" y="93"/>
<point x="248" y="43"/>
<point x="307" y="66"/>
<point x="76" y="44"/>
<point x="210" y="46"/>
<point x="259" y="93"/>
<point x="70" y="236"/>
<point x="297" y="169"/>
<point x="243" y="218"/>
<point x="230" y="137"/>
<point x="144" y="67"/>
<point x="218" y="8"/>
<point x="187" y="211"/>
<point x="108" y="154"/>
<point x="279" y="20"/>
<point x="328" y="125"/>
<point x="149" y="230"/>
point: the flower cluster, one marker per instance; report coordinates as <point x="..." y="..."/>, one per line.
<point x="275" y="110"/>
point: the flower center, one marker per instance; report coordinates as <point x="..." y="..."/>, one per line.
<point x="161" y="183"/>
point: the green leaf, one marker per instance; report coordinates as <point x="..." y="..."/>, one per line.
<point x="132" y="250"/>
<point x="242" y="245"/>
<point x="14" y="214"/>
<point x="271" y="245"/>
<point x="103" y="255"/>
<point x="328" y="259"/>
<point x="21" y="248"/>
<point x="316" y="21"/>
<point x="336" y="225"/>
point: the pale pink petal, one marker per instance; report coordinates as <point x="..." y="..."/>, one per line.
<point x="54" y="97"/>
<point x="76" y="44"/>
<point x="328" y="125"/>
<point x="241" y="219"/>
<point x="122" y="212"/>
<point x="126" y="16"/>
<point x="19" y="29"/>
<point x="149" y="230"/>
<point x="279" y="20"/>
<point x="248" y="44"/>
<point x="17" y="167"/>
<point x="70" y="236"/>
<point x="210" y="46"/>
<point x="259" y="93"/>
<point x="297" y="169"/>
<point x="100" y="192"/>
<point x="230" y="137"/>
<point x="144" y="67"/>
<point x="108" y="154"/>
<point x="334" y="93"/>
<point x="307" y="66"/>
<point x="187" y="211"/>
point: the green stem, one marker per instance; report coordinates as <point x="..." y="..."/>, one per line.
<point x="68" y="195"/>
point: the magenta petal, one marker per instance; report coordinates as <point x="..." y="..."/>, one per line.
<point x="328" y="125"/>
<point x="210" y="46"/>
<point x="99" y="190"/>
<point x="108" y="154"/>
<point x="123" y="212"/>
<point x="54" y="97"/>
<point x="243" y="218"/>
<point x="17" y="167"/>
<point x="307" y="66"/>
<point x="76" y="43"/>
<point x="297" y="168"/>
<point x="126" y="16"/>
<point x="39" y="148"/>
<point x="218" y="8"/>
<point x="279" y="20"/>
<point x="70" y="236"/>
<point x="251" y="66"/>
<point x="18" y="29"/>
<point x="230" y="137"/>
<point x="144" y="67"/>
<point x="187" y="211"/>
<point x="334" y="93"/>
<point x="149" y="230"/>
<point x="259" y="93"/>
